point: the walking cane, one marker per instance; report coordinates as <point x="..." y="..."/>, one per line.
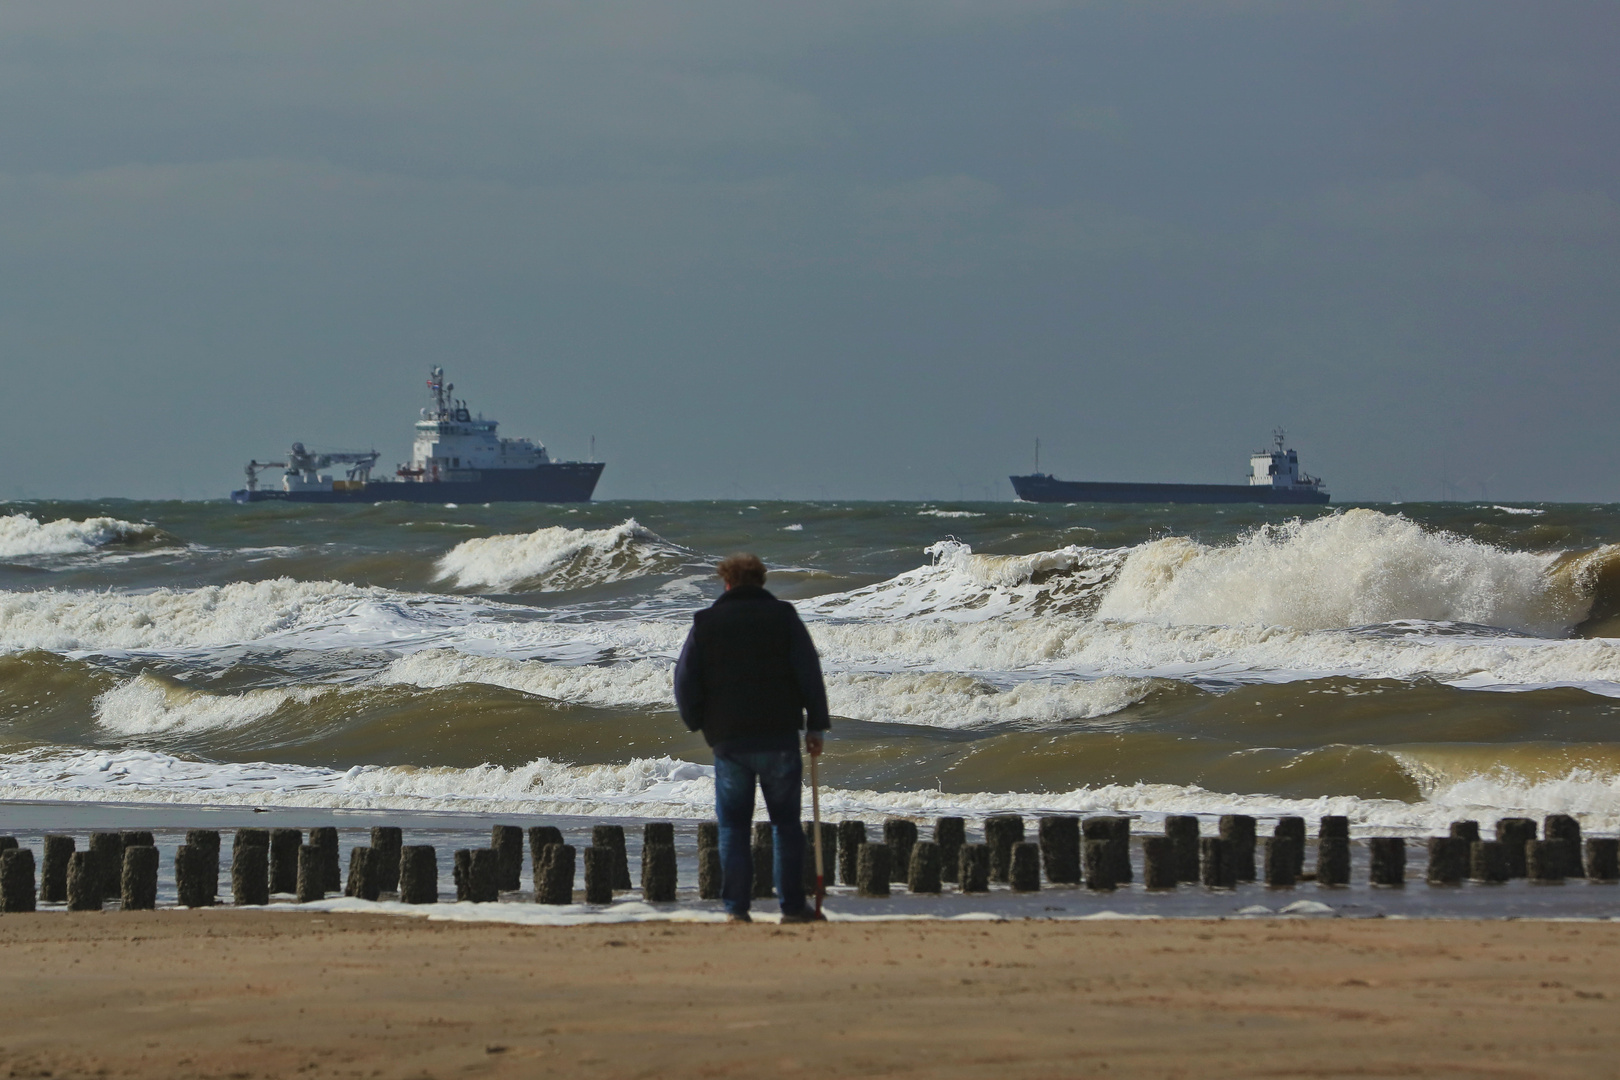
<point x="815" y="816"/>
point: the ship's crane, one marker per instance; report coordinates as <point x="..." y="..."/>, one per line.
<point x="309" y="465"/>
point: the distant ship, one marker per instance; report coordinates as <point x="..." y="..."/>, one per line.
<point x="1274" y="477"/>
<point x="457" y="457"/>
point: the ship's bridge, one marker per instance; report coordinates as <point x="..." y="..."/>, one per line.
<point x="1279" y="467"/>
<point x="452" y="443"/>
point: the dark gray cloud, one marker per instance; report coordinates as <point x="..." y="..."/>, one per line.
<point x="853" y="249"/>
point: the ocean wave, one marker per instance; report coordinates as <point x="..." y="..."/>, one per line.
<point x="22" y="535"/>
<point x="146" y="706"/>
<point x="1347" y="570"/>
<point x="942" y="699"/>
<point x="1357" y="568"/>
<point x="668" y="787"/>
<point x="558" y="559"/>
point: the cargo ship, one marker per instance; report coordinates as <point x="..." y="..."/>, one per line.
<point x="455" y="458"/>
<point x="1274" y="477"/>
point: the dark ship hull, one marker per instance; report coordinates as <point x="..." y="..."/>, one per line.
<point x="559" y="481"/>
<point x="1038" y="487"/>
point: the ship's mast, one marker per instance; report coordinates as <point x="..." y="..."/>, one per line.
<point x="1280" y="437"/>
<point x="441" y="392"/>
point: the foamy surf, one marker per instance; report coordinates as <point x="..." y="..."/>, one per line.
<point x="22" y="536"/>
<point x="661" y="788"/>
<point x="557" y="559"/>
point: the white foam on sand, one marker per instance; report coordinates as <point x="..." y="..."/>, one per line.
<point x="668" y="788"/>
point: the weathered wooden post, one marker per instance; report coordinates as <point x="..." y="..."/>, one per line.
<point x="85" y="889"/>
<point x="973" y="868"/>
<point x="851" y="835"/>
<point x="1487" y="862"/>
<point x="1513" y="833"/>
<point x="17" y="879"/>
<point x="53" y="875"/>
<point x="1215" y="863"/>
<point x="139" y="880"/>
<point x="325" y="841"/>
<point x="362" y="884"/>
<point x="542" y="837"/>
<point x="708" y="834"/>
<point x="507" y="843"/>
<point x="1060" y="848"/>
<point x="311" y="883"/>
<point x="923" y="872"/>
<point x="1239" y="832"/>
<point x="1332" y="861"/>
<point x="658" y="832"/>
<point x="1465" y="830"/>
<point x="284" y="845"/>
<point x="1160" y="859"/>
<point x="386" y="842"/>
<point x="1182" y="829"/>
<point x="250" y="870"/>
<point x="554" y="880"/>
<point x="193" y="884"/>
<point x="107" y="848"/>
<point x="1546" y="861"/>
<point x="599" y="875"/>
<point x="1333" y="826"/>
<point x="1602" y="859"/>
<point x="207" y="840"/>
<point x="484" y="875"/>
<point x="763" y="855"/>
<point x="418" y="874"/>
<point x="132" y="838"/>
<point x="1388" y="857"/>
<point x="611" y="838"/>
<point x="899" y="835"/>
<point x="1564" y="827"/>
<point x="658" y="874"/>
<point x="1293" y="827"/>
<point x="950" y="833"/>
<point x="1100" y="864"/>
<point x="1448" y="860"/>
<point x="1001" y="832"/>
<point x="872" y="870"/>
<point x="829" y="844"/>
<point x="710" y="875"/>
<point x="1025" y="871"/>
<point x="1280" y="861"/>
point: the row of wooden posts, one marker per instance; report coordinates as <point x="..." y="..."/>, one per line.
<point x="1068" y="850"/>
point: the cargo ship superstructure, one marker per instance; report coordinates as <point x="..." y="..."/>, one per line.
<point x="1274" y="477"/>
<point x="455" y="457"/>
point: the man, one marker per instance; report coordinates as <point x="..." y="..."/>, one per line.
<point x="747" y="676"/>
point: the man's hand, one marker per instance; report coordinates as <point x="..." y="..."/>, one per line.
<point x="813" y="742"/>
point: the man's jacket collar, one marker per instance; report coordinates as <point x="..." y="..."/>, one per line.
<point x="744" y="592"/>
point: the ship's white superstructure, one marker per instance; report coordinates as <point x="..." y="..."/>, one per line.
<point x="1279" y="468"/>
<point x="452" y="444"/>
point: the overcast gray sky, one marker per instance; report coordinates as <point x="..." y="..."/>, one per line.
<point x="841" y="248"/>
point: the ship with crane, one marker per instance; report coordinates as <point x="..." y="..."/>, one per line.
<point x="456" y="457"/>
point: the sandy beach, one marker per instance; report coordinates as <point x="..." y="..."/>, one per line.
<point x="283" y="994"/>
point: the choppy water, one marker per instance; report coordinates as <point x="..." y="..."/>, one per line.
<point x="1405" y="665"/>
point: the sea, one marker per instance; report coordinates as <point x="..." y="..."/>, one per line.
<point x="1403" y="665"/>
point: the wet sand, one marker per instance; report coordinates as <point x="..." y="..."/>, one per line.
<point x="269" y="994"/>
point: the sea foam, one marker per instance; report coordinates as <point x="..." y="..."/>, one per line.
<point x="22" y="535"/>
<point x="557" y="559"/>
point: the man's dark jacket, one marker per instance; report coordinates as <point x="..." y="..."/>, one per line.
<point x="748" y="674"/>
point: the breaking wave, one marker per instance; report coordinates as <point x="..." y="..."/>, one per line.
<point x="22" y="535"/>
<point x="147" y="705"/>
<point x="1353" y="569"/>
<point x="557" y="559"/>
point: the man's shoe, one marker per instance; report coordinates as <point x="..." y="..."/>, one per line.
<point x="807" y="915"/>
<point x="744" y="917"/>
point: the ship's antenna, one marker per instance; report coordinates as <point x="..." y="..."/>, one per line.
<point x="1037" y="456"/>
<point x="593" y="447"/>
<point x="1281" y="436"/>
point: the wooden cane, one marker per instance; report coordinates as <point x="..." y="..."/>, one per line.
<point x="815" y="816"/>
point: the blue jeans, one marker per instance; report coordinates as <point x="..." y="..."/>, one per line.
<point x="779" y="773"/>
